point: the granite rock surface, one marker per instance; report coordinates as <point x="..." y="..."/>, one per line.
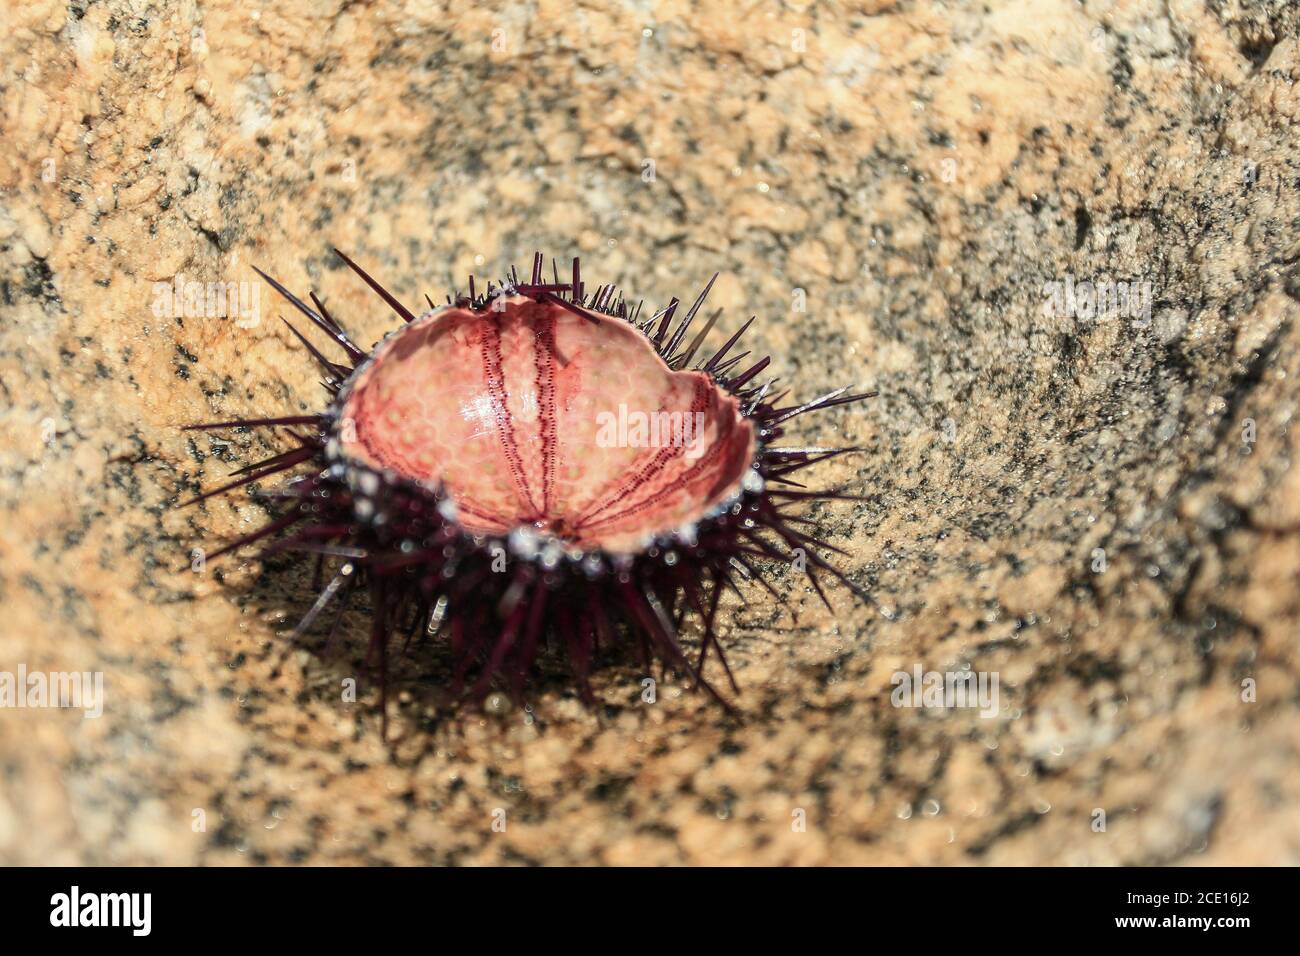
<point x="1060" y="239"/>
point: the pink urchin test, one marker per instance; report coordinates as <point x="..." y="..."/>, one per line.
<point x="535" y="469"/>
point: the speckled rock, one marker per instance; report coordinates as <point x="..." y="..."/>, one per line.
<point x="1094" y="502"/>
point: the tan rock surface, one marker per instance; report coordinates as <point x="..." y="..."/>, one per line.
<point x="920" y="172"/>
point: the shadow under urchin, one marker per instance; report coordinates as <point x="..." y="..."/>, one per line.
<point x="455" y="475"/>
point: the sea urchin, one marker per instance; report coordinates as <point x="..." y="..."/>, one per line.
<point x="537" y="467"/>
